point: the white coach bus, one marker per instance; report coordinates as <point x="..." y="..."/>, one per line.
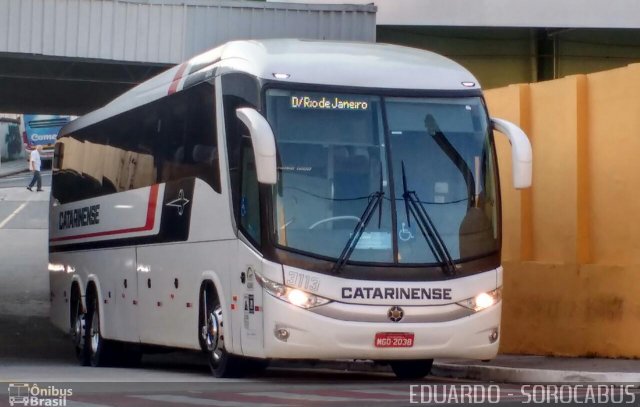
<point x="285" y="199"/>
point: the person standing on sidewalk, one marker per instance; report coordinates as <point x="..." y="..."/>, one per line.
<point x="34" y="165"/>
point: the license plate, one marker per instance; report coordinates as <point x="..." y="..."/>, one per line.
<point x="394" y="340"/>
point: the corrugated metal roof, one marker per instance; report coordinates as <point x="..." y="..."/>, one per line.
<point x="167" y="31"/>
<point x="503" y="13"/>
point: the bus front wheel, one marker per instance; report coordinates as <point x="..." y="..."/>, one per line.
<point x="411" y="369"/>
<point x="221" y="362"/>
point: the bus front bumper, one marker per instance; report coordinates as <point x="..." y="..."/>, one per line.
<point x="313" y="336"/>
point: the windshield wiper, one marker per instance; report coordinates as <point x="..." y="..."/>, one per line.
<point x="375" y="200"/>
<point x="455" y="157"/>
<point x="429" y="231"/>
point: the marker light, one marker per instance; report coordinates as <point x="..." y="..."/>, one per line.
<point x="291" y="295"/>
<point x="56" y="267"/>
<point x="483" y="300"/>
<point x="281" y="75"/>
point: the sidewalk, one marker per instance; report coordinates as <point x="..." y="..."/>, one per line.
<point x="507" y="369"/>
<point x="13" y="167"/>
<point x="541" y="369"/>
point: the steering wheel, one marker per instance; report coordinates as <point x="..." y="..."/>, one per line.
<point x="334" y="218"/>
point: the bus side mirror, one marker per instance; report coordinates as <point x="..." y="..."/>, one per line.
<point x="264" y="144"/>
<point x="522" y="156"/>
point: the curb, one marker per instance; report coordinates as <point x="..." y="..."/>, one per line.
<point x="13" y="172"/>
<point x="499" y="374"/>
<point x="521" y="375"/>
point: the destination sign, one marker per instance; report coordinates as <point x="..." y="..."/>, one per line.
<point x="325" y="103"/>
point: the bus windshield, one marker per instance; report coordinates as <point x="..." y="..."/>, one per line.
<point x="338" y="152"/>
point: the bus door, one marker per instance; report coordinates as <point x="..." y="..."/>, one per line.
<point x="249" y="224"/>
<point x="248" y="313"/>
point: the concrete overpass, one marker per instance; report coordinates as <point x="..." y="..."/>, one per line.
<point x="72" y="56"/>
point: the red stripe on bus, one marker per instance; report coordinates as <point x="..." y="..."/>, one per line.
<point x="176" y="79"/>
<point x="151" y="214"/>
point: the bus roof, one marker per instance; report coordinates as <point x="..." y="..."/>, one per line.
<point x="333" y="63"/>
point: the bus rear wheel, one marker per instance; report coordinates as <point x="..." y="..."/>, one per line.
<point x="99" y="349"/>
<point x="221" y="362"/>
<point x="78" y="329"/>
<point x="411" y="369"/>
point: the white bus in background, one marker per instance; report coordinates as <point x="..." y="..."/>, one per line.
<point x="285" y="199"/>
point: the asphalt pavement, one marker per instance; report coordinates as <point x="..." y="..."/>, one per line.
<point x="23" y="244"/>
<point x="25" y="331"/>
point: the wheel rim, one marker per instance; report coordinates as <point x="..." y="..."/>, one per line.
<point x="77" y="327"/>
<point x="77" y="331"/>
<point x="213" y="335"/>
<point x="211" y="330"/>
<point x="95" y="330"/>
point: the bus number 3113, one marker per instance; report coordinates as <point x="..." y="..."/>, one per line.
<point x="303" y="281"/>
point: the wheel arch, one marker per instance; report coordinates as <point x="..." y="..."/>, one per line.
<point x="75" y="294"/>
<point x="93" y="288"/>
<point x="211" y="278"/>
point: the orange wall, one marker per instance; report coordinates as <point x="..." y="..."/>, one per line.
<point x="571" y="243"/>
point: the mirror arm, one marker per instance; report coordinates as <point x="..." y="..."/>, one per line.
<point x="264" y="144"/>
<point x="521" y="153"/>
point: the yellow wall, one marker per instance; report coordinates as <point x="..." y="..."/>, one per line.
<point x="571" y="243"/>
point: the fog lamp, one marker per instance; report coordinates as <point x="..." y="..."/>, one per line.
<point x="493" y="336"/>
<point x="282" y="334"/>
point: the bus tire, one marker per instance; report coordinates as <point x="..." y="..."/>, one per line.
<point x="211" y="334"/>
<point x="411" y="369"/>
<point x="77" y="323"/>
<point x="99" y="349"/>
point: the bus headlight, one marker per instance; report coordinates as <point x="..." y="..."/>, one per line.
<point x="482" y="300"/>
<point x="291" y="295"/>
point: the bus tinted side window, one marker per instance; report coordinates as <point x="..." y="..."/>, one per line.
<point x="111" y="156"/>
<point x="129" y="159"/>
<point x="67" y="183"/>
<point x="163" y="141"/>
<point x="189" y="143"/>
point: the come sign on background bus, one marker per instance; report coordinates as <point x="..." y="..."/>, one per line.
<point x="39" y="129"/>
